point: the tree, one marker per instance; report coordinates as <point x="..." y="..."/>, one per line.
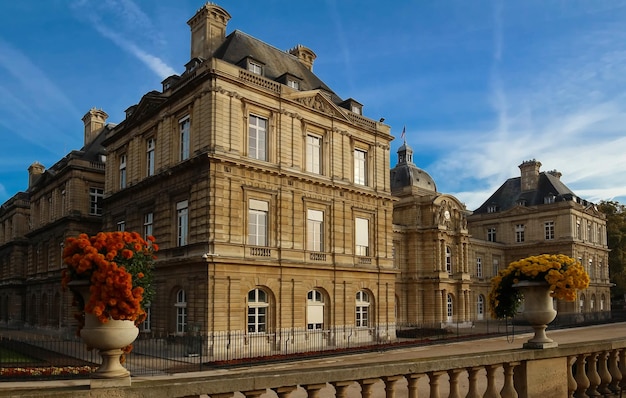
<point x="616" y="240"/>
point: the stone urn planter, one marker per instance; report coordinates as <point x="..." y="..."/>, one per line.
<point x="538" y="311"/>
<point x="109" y="338"/>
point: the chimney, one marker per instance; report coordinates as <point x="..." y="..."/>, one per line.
<point x="304" y="54"/>
<point x="530" y="175"/>
<point x="555" y="173"/>
<point x="35" y="170"/>
<point x="208" y="30"/>
<point x="94" y="122"/>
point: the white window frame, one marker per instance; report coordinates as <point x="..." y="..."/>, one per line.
<point x="480" y="307"/>
<point x="315" y="310"/>
<point x="258" y="218"/>
<point x="479" y="267"/>
<point x="95" y="201"/>
<point x="257" y="137"/>
<point x="448" y="260"/>
<point x="491" y="234"/>
<point x="258" y="311"/>
<point x="255" y="67"/>
<point x="182" y="223"/>
<point x="360" y="166"/>
<point x="184" y="127"/>
<point x="121" y="226"/>
<point x="150" y="148"/>
<point x="181" y="311"/>
<point x="519" y="233"/>
<point x="314" y="153"/>
<point x="449" y="307"/>
<point x="148" y="224"/>
<point x="362" y="308"/>
<point x="495" y="266"/>
<point x="549" y="230"/>
<point x="315" y="230"/>
<point x="362" y="236"/>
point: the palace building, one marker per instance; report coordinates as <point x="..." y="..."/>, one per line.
<point x="278" y="214"/>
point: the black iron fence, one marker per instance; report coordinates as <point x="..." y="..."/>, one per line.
<point x="49" y="354"/>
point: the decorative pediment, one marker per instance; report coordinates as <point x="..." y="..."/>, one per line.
<point x="146" y="107"/>
<point x="314" y="99"/>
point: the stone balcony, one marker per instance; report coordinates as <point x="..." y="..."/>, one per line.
<point x="589" y="361"/>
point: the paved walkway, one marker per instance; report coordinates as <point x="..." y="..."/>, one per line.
<point x="562" y="336"/>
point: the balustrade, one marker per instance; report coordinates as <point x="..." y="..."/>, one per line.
<point x="587" y="370"/>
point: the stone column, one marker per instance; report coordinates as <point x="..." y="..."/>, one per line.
<point x="366" y="387"/>
<point x="412" y="381"/>
<point x="341" y="388"/>
<point x="313" y="390"/>
<point x="390" y="382"/>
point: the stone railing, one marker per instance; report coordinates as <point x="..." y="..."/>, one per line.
<point x="570" y="370"/>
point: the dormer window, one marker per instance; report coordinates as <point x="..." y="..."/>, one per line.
<point x="255" y="67"/>
<point x="521" y="202"/>
<point x="353" y="106"/>
<point x="293" y="84"/>
<point x="549" y="199"/>
<point x="492" y="209"/>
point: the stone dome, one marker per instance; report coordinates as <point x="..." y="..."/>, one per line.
<point x="407" y="174"/>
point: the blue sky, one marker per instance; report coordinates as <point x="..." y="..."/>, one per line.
<point x="481" y="86"/>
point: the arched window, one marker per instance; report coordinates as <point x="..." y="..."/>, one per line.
<point x="448" y="260"/>
<point x="362" y="309"/>
<point x="450" y="307"/>
<point x="257" y="311"/>
<point x="181" y="312"/>
<point x="592" y="303"/>
<point x="315" y="310"/>
<point x="480" y="306"/>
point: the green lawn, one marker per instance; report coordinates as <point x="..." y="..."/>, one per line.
<point x="7" y="355"/>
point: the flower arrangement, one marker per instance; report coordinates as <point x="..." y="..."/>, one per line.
<point x="118" y="266"/>
<point x="564" y="274"/>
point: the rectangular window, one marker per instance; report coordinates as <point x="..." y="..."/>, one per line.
<point x="315" y="230"/>
<point x="257" y="222"/>
<point x="257" y="138"/>
<point x="150" y="145"/>
<point x="362" y="236"/>
<point x="578" y="229"/>
<point x="148" y="218"/>
<point x="479" y="267"/>
<point x="519" y="233"/>
<point x="95" y="201"/>
<point x="184" y="138"/>
<point x="313" y="154"/>
<point x="121" y="226"/>
<point x="496" y="266"/>
<point x="360" y="167"/>
<point x="146" y="325"/>
<point x="123" y="171"/>
<point x="549" y="230"/>
<point x="293" y="84"/>
<point x="491" y="234"/>
<point x="182" y="222"/>
<point x="255" y="68"/>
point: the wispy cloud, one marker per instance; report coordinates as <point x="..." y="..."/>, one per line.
<point x="126" y="19"/>
<point x="29" y="100"/>
<point x="567" y="113"/>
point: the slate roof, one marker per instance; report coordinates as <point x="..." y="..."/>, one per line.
<point x="406" y="173"/>
<point x="510" y="193"/>
<point x="238" y="46"/>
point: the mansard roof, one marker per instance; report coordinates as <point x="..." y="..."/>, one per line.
<point x="239" y="46"/>
<point x="510" y="193"/>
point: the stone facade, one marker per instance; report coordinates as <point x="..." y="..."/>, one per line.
<point x="271" y="204"/>
<point x="62" y="201"/>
